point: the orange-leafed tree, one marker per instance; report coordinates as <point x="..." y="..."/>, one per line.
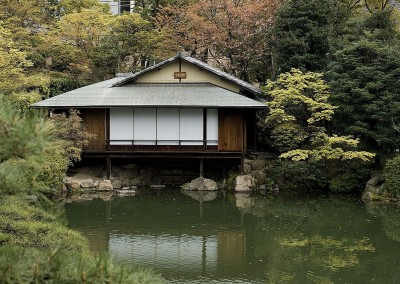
<point x="233" y="34"/>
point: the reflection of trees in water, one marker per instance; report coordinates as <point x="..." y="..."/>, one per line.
<point x="309" y="239"/>
<point x="390" y="216"/>
<point x="329" y="252"/>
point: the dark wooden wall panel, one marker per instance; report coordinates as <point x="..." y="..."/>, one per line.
<point x="230" y="130"/>
<point x="251" y="126"/>
<point x="95" y="121"/>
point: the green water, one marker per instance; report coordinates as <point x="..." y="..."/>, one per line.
<point x="224" y="238"/>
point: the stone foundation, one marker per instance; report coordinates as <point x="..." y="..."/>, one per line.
<point x="131" y="176"/>
<point x="125" y="177"/>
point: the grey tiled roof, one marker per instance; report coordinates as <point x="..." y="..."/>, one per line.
<point x="103" y="94"/>
<point x="199" y="63"/>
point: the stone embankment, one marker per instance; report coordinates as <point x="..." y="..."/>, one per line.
<point x="374" y="192"/>
<point x="127" y="178"/>
<point x="254" y="178"/>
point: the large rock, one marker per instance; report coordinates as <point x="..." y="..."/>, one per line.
<point x="368" y="195"/>
<point x="105" y="185"/>
<point x="245" y="183"/>
<point x="374" y="181"/>
<point x="257" y="164"/>
<point x="209" y="184"/>
<point x="72" y="184"/>
<point x="117" y="184"/>
<point x="259" y="175"/>
<point x="246" y="168"/>
<point x="87" y="183"/>
<point x="200" y="184"/>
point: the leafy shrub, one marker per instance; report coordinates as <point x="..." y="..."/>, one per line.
<point x="230" y="181"/>
<point x="72" y="131"/>
<point x="391" y="173"/>
<point x="336" y="176"/>
<point x="349" y="178"/>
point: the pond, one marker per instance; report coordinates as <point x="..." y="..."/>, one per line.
<point x="244" y="238"/>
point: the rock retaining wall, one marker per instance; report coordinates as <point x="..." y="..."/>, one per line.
<point x="130" y="176"/>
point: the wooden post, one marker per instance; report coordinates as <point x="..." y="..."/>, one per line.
<point x="108" y="167"/>
<point x="204" y="128"/>
<point x="201" y="167"/>
<point x="242" y="165"/>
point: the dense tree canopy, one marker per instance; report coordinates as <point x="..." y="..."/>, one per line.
<point x="364" y="81"/>
<point x="235" y="34"/>
<point x="305" y="32"/>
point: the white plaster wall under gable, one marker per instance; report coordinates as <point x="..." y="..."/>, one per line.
<point x="194" y="74"/>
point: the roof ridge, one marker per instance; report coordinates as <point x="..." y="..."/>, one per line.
<point x="186" y="57"/>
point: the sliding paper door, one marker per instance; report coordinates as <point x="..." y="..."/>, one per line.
<point x="144" y="126"/>
<point x="121" y="126"/>
<point x="191" y="126"/>
<point x="212" y="126"/>
<point x="168" y="126"/>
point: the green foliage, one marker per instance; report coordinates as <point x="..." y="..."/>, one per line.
<point x="364" y="80"/>
<point x="299" y="97"/>
<point x="25" y="225"/>
<point x="24" y="99"/>
<point x="13" y="62"/>
<point x="349" y="177"/>
<point x="63" y="84"/>
<point x="293" y="175"/>
<point x="391" y="174"/>
<point x="299" y="101"/>
<point x="19" y="265"/>
<point x="71" y="130"/>
<point x="22" y="140"/>
<point x="73" y="6"/>
<point x="50" y="166"/>
<point x="131" y="37"/>
<point x="287" y="136"/>
<point x="230" y="182"/>
<point x="299" y="114"/>
<point x="303" y="32"/>
<point x="332" y="175"/>
<point x="329" y="148"/>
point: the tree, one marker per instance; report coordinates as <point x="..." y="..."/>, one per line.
<point x="299" y="116"/>
<point x="33" y="159"/>
<point x="13" y="62"/>
<point x="233" y="34"/>
<point x="300" y="101"/>
<point x="70" y="128"/>
<point x="130" y="42"/>
<point x="392" y="178"/>
<point x="305" y="30"/>
<point x="364" y="80"/>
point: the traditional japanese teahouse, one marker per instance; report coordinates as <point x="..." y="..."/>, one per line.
<point x="179" y="108"/>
